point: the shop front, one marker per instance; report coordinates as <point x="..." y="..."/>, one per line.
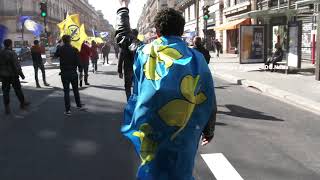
<point x="232" y="33"/>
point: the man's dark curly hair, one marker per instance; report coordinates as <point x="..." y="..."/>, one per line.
<point x="169" y="22"/>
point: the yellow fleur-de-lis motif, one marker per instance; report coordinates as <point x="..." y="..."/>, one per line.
<point x="178" y="112"/>
<point x="148" y="147"/>
<point x="159" y="54"/>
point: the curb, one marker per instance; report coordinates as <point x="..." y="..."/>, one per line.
<point x="274" y="92"/>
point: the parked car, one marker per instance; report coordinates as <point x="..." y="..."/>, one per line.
<point x="23" y="53"/>
<point x="52" y="50"/>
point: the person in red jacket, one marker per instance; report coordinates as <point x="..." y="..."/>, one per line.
<point x="85" y="54"/>
<point x="94" y="56"/>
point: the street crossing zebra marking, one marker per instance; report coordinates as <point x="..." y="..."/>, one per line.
<point x="221" y="167"/>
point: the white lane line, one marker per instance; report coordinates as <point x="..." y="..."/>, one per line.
<point x="221" y="167"/>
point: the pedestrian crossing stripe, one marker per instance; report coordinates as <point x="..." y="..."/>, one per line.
<point x="221" y="167"/>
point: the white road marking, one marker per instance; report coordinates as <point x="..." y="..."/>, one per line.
<point x="221" y="167"/>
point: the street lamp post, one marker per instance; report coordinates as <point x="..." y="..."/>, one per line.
<point x="197" y="16"/>
<point x="22" y="31"/>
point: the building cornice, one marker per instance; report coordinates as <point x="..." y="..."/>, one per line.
<point x="183" y="3"/>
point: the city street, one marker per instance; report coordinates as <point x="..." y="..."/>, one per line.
<point x="256" y="138"/>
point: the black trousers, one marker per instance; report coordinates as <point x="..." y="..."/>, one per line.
<point x="128" y="77"/>
<point x="6" y="84"/>
<point x="67" y="78"/>
<point x="104" y="58"/>
<point x="272" y="61"/>
<point x="83" y="70"/>
<point x="36" y="67"/>
<point x="94" y="64"/>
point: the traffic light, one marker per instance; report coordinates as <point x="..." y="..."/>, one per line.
<point x="206" y="12"/>
<point x="43" y="9"/>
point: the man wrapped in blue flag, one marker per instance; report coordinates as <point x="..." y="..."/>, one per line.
<point x="173" y="102"/>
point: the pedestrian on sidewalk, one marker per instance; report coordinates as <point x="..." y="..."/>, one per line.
<point x="217" y="46"/>
<point x="85" y="54"/>
<point x="69" y="62"/>
<point x="173" y="101"/>
<point x="197" y="44"/>
<point x="116" y="50"/>
<point x="36" y="52"/>
<point x="105" y="52"/>
<point x="277" y="56"/>
<point x="94" y="56"/>
<point x="10" y="70"/>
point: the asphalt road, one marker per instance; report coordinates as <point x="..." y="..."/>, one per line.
<point x="262" y="138"/>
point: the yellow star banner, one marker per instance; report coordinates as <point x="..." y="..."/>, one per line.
<point x="71" y="26"/>
<point x="74" y="17"/>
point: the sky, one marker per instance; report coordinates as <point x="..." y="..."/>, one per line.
<point x="109" y="9"/>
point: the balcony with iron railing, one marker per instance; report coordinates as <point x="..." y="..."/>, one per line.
<point x="227" y="3"/>
<point x="304" y="6"/>
<point x="233" y="7"/>
<point x="275" y="4"/>
<point x="182" y="3"/>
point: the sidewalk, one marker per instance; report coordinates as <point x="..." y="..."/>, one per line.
<point x="300" y="89"/>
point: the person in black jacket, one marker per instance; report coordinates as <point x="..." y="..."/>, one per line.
<point x="69" y="62"/>
<point x="217" y="46"/>
<point x="36" y="52"/>
<point x="126" y="58"/>
<point x="116" y="50"/>
<point x="105" y="52"/>
<point x="10" y="70"/>
<point x="276" y="57"/>
<point x="198" y="46"/>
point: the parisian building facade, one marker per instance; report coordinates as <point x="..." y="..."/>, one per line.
<point x="145" y="24"/>
<point x="274" y="14"/>
<point x="10" y="11"/>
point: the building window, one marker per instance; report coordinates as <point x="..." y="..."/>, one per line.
<point x="192" y="12"/>
<point x="187" y="15"/>
<point x="240" y="1"/>
<point x="226" y="3"/>
<point x="275" y="2"/>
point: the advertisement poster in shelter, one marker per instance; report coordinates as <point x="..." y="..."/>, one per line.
<point x="252" y="44"/>
<point x="294" y="51"/>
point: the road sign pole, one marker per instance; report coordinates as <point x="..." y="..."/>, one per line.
<point x="48" y="58"/>
<point x="205" y="32"/>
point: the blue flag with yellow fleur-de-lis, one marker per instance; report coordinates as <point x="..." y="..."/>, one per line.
<point x="171" y="104"/>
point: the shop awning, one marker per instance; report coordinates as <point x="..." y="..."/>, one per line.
<point x="268" y="13"/>
<point x="232" y="25"/>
